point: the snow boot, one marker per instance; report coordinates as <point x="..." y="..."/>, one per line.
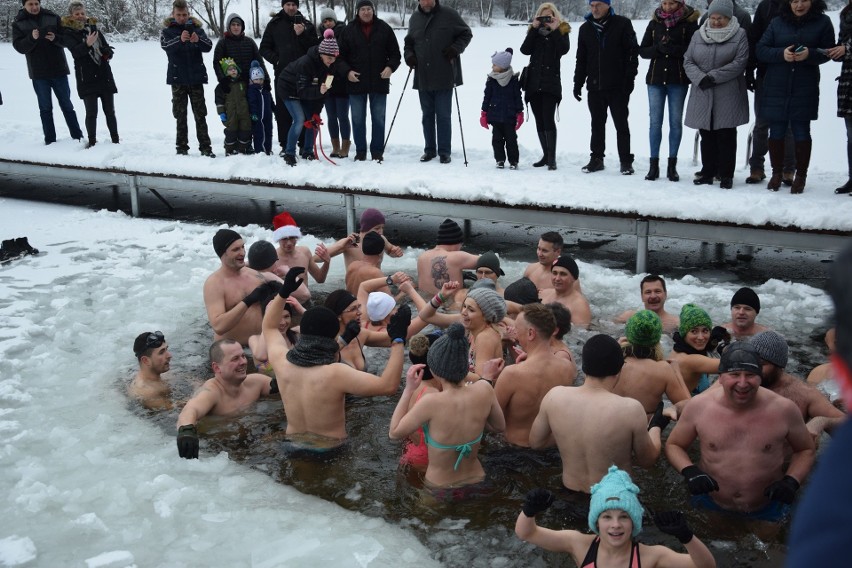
<point x="653" y="170"/>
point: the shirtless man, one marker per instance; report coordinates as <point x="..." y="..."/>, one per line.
<point x="228" y="392"/>
<point x="743" y="431"/>
<point x="148" y="386"/>
<point x="232" y="293"/>
<point x="372" y="220"/>
<point x="313" y="383"/>
<point x="654" y="296"/>
<point x="593" y="427"/>
<point x="286" y="234"/>
<point x="445" y="262"/>
<point x="824" y="372"/>
<point x="563" y="275"/>
<point x="548" y="250"/>
<point x="522" y="386"/>
<point x="745" y="305"/>
<point x="369" y="267"/>
<point x="263" y="257"/>
<point x="817" y="412"/>
<point x="646" y="375"/>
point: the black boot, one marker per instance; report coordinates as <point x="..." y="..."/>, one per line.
<point x="671" y="172"/>
<point x="845" y="188"/>
<point x="654" y="170"/>
<point x="776" y="158"/>
<point x="550" y="138"/>
<point x="543" y="141"/>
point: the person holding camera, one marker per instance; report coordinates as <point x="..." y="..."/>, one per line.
<point x="184" y="42"/>
<point x="792" y="48"/>
<point x="286" y="38"/>
<point x="546" y="42"/>
<point x="37" y="34"/>
<point x="92" y="55"/>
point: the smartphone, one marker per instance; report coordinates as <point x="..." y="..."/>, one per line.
<point x="298" y="19"/>
<point x="800" y="49"/>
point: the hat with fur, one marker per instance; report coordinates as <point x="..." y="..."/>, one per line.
<point x="285" y="227"/>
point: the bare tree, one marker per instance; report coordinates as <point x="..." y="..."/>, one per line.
<point x="486" y="8"/>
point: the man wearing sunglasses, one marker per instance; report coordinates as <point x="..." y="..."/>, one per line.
<point x="148" y="386"/>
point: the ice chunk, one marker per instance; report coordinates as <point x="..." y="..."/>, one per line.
<point x="112" y="559"/>
<point x="16" y="550"/>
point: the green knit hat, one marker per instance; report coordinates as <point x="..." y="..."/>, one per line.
<point x="691" y="316"/>
<point x="615" y="491"/>
<point x="644" y="329"/>
<point x="226" y="63"/>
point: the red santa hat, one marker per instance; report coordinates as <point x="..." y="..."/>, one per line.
<point x="285" y="226"/>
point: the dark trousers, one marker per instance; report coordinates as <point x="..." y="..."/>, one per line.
<point x="504" y="141"/>
<point x="616" y="102"/>
<point x="108" y="104"/>
<point x="194" y="94"/>
<point x="719" y="152"/>
<point x="543" y="108"/>
<point x="760" y="137"/>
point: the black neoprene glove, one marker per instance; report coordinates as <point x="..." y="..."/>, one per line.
<point x="291" y="281"/>
<point x="187" y="442"/>
<point x="578" y="92"/>
<point x="673" y="523"/>
<point x="536" y="501"/>
<point x="719" y="339"/>
<point x="350" y="332"/>
<point x="698" y="481"/>
<point x="706" y="82"/>
<point x="658" y="419"/>
<point x="399" y="322"/>
<point x="256" y="295"/>
<point x="783" y="490"/>
<point x="450" y="53"/>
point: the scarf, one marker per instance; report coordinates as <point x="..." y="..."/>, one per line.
<point x="681" y="346"/>
<point x="95" y="51"/>
<point x="503" y="77"/>
<point x="719" y="35"/>
<point x="600" y="25"/>
<point x="313" y="350"/>
<point x="669" y="20"/>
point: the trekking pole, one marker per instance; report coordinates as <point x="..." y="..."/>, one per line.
<point x="385" y="145"/>
<point x="458" y="109"/>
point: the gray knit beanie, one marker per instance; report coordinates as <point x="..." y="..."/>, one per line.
<point x="493" y="307"/>
<point x="721" y="7"/>
<point x="327" y="14"/>
<point x="447" y="358"/>
<point x="771" y="347"/>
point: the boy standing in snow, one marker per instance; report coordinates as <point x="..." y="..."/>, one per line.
<point x="233" y="109"/>
<point x="503" y="109"/>
<point x="260" y="108"/>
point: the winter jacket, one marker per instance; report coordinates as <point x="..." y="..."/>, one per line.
<point x="609" y="60"/>
<point x="186" y="64"/>
<point x="665" y="48"/>
<point x="502" y="104"/>
<point x="242" y="49"/>
<point x="92" y="71"/>
<point x="259" y="103"/>
<point x="844" y="86"/>
<point x="280" y="45"/>
<point x="233" y="102"/>
<point x="429" y="35"/>
<point x="740" y="13"/>
<point x="791" y="90"/>
<point x="724" y="105"/>
<point x="545" y="51"/>
<point x="302" y="78"/>
<point x="765" y="12"/>
<point x="338" y="87"/>
<point x="369" y="56"/>
<point x="45" y="59"/>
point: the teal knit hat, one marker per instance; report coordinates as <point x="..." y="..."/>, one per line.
<point x="691" y="316"/>
<point x="616" y="491"/>
<point x="644" y="329"/>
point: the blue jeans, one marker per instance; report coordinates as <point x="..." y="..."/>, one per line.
<point x="337" y="112"/>
<point x="378" y="104"/>
<point x="59" y="86"/>
<point x="801" y="129"/>
<point x="657" y="95"/>
<point x="298" y="109"/>
<point x="437" y="109"/>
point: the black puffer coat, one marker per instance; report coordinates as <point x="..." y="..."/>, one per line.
<point x="93" y="73"/>
<point x="429" y="35"/>
<point x="280" y="45"/>
<point x="338" y="88"/>
<point x="665" y="48"/>
<point x="242" y="49"/>
<point x="45" y="59"/>
<point x="609" y="60"/>
<point x="302" y="78"/>
<point x="545" y="51"/>
<point x="186" y="64"/>
<point x="369" y="56"/>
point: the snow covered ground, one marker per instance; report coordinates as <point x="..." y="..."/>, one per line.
<point x="147" y="131"/>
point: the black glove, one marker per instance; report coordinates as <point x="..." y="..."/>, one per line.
<point x="665" y="46"/>
<point x="698" y="481"/>
<point x="273" y="386"/>
<point x="707" y="82"/>
<point x="783" y="490"/>
<point x="411" y="61"/>
<point x="450" y="53"/>
<point x="187" y="442"/>
<point x="578" y="92"/>
<point x="719" y="339"/>
<point x="399" y="322"/>
<point x="536" y="501"/>
<point x="751" y="81"/>
<point x="225" y="83"/>
<point x="350" y="332"/>
<point x="658" y="419"/>
<point x="256" y="295"/>
<point x="673" y="523"/>
<point x="291" y="281"/>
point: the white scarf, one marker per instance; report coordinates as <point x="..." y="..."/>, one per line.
<point x="502" y="77"/>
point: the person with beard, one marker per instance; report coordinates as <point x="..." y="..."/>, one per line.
<point x="693" y="343"/>
<point x="843" y="52"/>
<point x="737" y="473"/>
<point x="817" y="412"/>
<point x="148" y="387"/>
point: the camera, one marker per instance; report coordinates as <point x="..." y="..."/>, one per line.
<point x="545" y="19"/>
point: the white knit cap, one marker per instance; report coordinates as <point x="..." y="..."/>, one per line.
<point x="379" y="305"/>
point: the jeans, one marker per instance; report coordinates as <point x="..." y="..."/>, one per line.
<point x="801" y="129"/>
<point x="378" y="104"/>
<point x="437" y="109"/>
<point x="59" y="86"/>
<point x="848" y="121"/>
<point x="760" y="135"/>
<point x="657" y="95"/>
<point x="616" y="101"/>
<point x="337" y="112"/>
<point x="298" y="109"/>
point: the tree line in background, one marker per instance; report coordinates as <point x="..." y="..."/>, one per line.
<point x="143" y="19"/>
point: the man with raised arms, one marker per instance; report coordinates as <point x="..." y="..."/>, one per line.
<point x="522" y="386"/>
<point x="548" y="250"/>
<point x="564" y="274"/>
<point x="228" y="392"/>
<point x="445" y="262"/>
<point x="744" y="432"/>
<point x="654" y="296"/>
<point x="313" y="382"/>
<point x="593" y="427"/>
<point x="745" y="305"/>
<point x="148" y="385"/>
<point x="232" y="293"/>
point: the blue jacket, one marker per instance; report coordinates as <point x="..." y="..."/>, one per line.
<point x="502" y="104"/>
<point x="186" y="65"/>
<point x="259" y="102"/>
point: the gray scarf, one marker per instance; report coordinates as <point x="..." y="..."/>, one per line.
<point x="719" y="35"/>
<point x="95" y="51"/>
<point x="503" y="77"/>
<point x="313" y="350"/>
